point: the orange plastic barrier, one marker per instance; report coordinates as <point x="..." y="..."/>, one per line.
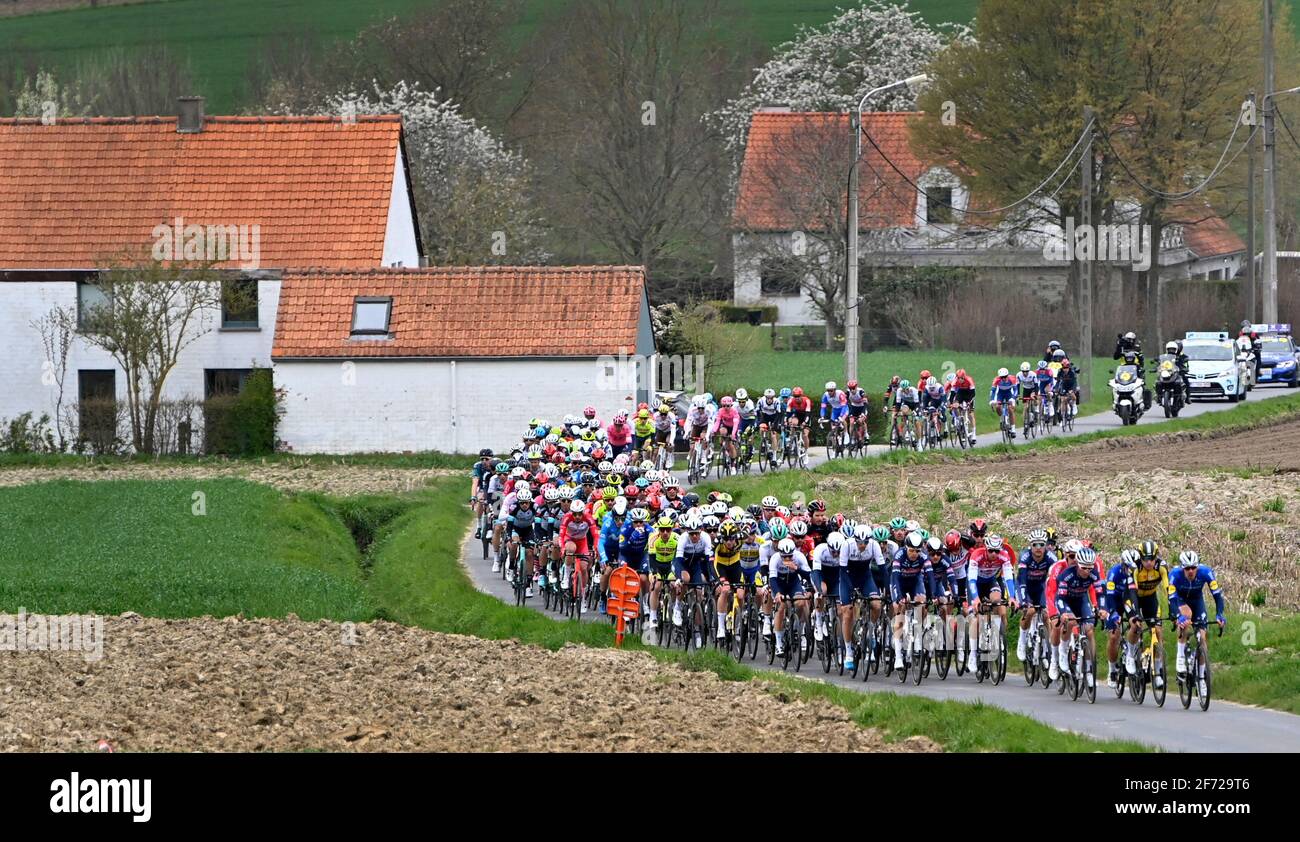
<point x="624" y="601"/>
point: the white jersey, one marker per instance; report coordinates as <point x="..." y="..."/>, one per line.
<point x="703" y="545"/>
<point x="852" y="553"/>
<point x="823" y="556"/>
<point x="777" y="566"/>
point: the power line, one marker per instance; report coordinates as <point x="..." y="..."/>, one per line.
<point x="1286" y="125"/>
<point x="1218" y="167"/>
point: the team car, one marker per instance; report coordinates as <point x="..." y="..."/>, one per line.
<point x="1279" y="360"/>
<point x="1216" y="369"/>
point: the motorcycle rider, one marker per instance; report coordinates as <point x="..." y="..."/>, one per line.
<point x="1174" y="348"/>
<point x="1129" y="349"/>
<point x="1248" y="340"/>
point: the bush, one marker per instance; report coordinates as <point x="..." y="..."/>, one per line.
<point x="244" y="424"/>
<point x="23" y="435"/>
<point x="738" y="314"/>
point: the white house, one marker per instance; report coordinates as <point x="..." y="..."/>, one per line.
<point x="455" y="358"/>
<point x="794" y="173"/>
<point x="276" y="193"/>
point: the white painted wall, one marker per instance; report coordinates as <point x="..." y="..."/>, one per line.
<point x="368" y="406"/>
<point x="399" y="238"/>
<point x="21" y="386"/>
<point x="748" y="251"/>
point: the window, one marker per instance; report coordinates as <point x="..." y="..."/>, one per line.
<point x="97" y="408"/>
<point x="92" y="301"/>
<point x="370" y="316"/>
<point x="938" y="205"/>
<point x="224" y="382"/>
<point x="778" y="277"/>
<point x="239" y="304"/>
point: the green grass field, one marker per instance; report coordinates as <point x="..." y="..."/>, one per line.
<point x="129" y="545"/>
<point x="220" y="37"/>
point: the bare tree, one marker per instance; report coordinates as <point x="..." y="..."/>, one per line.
<point x="58" y="330"/>
<point x="154" y="311"/>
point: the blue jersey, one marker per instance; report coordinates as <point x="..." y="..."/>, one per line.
<point x="1185" y="590"/>
<point x="611" y="528"/>
<point x="1073" y="584"/>
<point x="1120" y="587"/>
<point x="1045" y="378"/>
<point x="633" y="539"/>
<point x="1003" y="388"/>
<point x="904" y="567"/>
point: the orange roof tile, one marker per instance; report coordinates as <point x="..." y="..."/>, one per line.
<point x="464" y="311"/>
<point x="1209" y="235"/>
<point x="783" y="146"/>
<point x="79" y="192"/>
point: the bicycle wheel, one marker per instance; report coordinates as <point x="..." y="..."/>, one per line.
<point x="1001" y="662"/>
<point x="1137" y="685"/>
<point x="1076" y="673"/>
<point x="1030" y="664"/>
<point x="837" y="642"/>
<point x="1159" y="680"/>
<point x="1185" y="681"/>
<point x="1089" y="674"/>
<point x="1203" y="687"/>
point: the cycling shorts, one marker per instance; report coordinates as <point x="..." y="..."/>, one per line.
<point x="771" y="421"/>
<point x="856" y="577"/>
<point x="582" y="546"/>
<point x="962" y="593"/>
<point x="838" y="413"/>
<point x="750" y="575"/>
<point x="1035" y="592"/>
<point x="830" y="577"/>
<point x="855" y="411"/>
<point x="661" y="436"/>
<point x="662" y="570"/>
<point x="788" y="585"/>
<point x="694" y="567"/>
<point x="1198" y="609"/>
<point x="730" y="573"/>
<point x="909" y="586"/>
<point x="800" y="416"/>
<point x="1149" y="607"/>
<point x="964" y="395"/>
<point x="1079" y="606"/>
<point x="635" y="560"/>
<point x="880" y="577"/>
<point x="983" y="587"/>
<point x="698" y="430"/>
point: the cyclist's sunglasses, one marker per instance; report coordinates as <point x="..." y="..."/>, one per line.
<point x="1070" y="554"/>
<point x="1042" y="545"/>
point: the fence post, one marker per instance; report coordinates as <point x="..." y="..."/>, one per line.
<point x="183" y="437"/>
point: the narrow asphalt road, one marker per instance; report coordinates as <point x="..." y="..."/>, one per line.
<point x="1224" y="727"/>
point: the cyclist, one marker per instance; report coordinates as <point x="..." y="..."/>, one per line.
<point x="859" y="403"/>
<point x="1031" y="580"/>
<point x="619" y="434"/>
<point x="697" y="419"/>
<point x="632" y="543"/>
<point x="611" y="533"/>
<point x="1076" y="590"/>
<point x="751" y="562"/>
<point x="944" y="580"/>
<point x="1003" y="393"/>
<point x="819" y="526"/>
<point x="989" y="576"/>
<point x="1151" y="580"/>
<point x="798" y="412"/>
<point x="1187" y="585"/>
<point x="771" y="415"/>
<point x="522" y="532"/>
<point x="577" y="534"/>
<point x="1067" y="383"/>
<point x="748" y="416"/>
<point x="1121" y="604"/>
<point x="911" y="579"/>
<point x="662" y="552"/>
<point x="786" y="575"/>
<point x="777" y="532"/>
<point x="963" y="393"/>
<point x="1046" y="384"/>
<point x="726" y="570"/>
<point x="835" y="404"/>
<point x="642" y="429"/>
<point x="665" y="431"/>
<point x="727" y="423"/>
<point x="825" y="563"/>
<point x="694" y="551"/>
<point x="1027" y="380"/>
<point x="478" y="487"/>
<point x="906" y="402"/>
<point x="933" y="398"/>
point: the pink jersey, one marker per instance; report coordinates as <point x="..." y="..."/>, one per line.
<point x="727" y="416"/>
<point x="619" y="435"/>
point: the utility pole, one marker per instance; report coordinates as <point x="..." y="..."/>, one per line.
<point x="851" y="342"/>
<point x="1270" y="174"/>
<point x="1251" y="305"/>
<point x="1085" y="268"/>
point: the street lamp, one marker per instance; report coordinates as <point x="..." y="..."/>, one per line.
<point x="1270" y="207"/>
<point x="851" y="342"/>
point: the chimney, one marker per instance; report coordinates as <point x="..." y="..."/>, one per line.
<point x="190" y="115"/>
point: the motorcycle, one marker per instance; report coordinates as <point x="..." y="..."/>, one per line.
<point x="1169" y="386"/>
<point x="1126" y="387"/>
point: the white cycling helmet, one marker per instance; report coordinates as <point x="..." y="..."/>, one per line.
<point x="620" y="506"/>
<point x="862" y="532"/>
<point x="698" y="401"/>
<point x="835" y="541"/>
<point x="577" y="507"/>
<point x="769" y="502"/>
<point x="1189" y="558"/>
<point x="914" y="540"/>
<point x="1024" y="366"/>
<point x="1002" y="372"/>
<point x="741" y="395"/>
<point x="769" y="393"/>
<point x="913" y="526"/>
<point x="830" y="385"/>
<point x="786" y="547"/>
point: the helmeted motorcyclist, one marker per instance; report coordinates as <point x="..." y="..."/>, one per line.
<point x="1129" y="349"/>
<point x="1175" y="349"/>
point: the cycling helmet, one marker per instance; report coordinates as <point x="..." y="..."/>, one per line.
<point x="925" y="374"/>
<point x="516" y="472"/>
<point x="1130" y="336"/>
<point x="1002" y="372"/>
<point x="785" y="391"/>
<point x="862" y="532"/>
<point x="852" y="384"/>
<point x="783" y="512"/>
<point x="640" y="514"/>
<point x="924" y="533"/>
<point x="930" y="382"/>
<point x="817" y="505"/>
<point x="691" y="499"/>
<point x="830" y="385"/>
<point x="1051" y="534"/>
<point x="534" y="454"/>
<point x="577" y="507"/>
<point x="835" y="541"/>
<point x="880" y="533"/>
<point x="742" y="395"/>
<point x="914" y="540"/>
<point x="769" y="393"/>
<point x="1042" y="364"/>
<point x="912" y="526"/>
<point x="664" y="409"/>
<point x="606" y="467"/>
<point x="897" y="523"/>
<point x="550" y="494"/>
<point x="711" y="522"/>
<point x="1129" y="557"/>
<point x="1053" y="345"/>
<point x="485" y="453"/>
<point x="620" y="417"/>
<point x="785" y="547"/>
<point x="754" y="509"/>
<point x="950" y="378"/>
<point x="708" y="397"/>
<point x="952" y="540"/>
<point x="1024" y="366"/>
<point x="719" y="507"/>
<point x="698" y="401"/>
<point x="993" y="543"/>
<point x="523" y="490"/>
<point x="904" y="384"/>
<point x="1148" y="549"/>
<point x="1073" y="545"/>
<point x="728" y="531"/>
<point x="735" y="513"/>
<point x="1087" y="558"/>
<point x="609" y="493"/>
<point x="664" y="522"/>
<point x="620" y="506"/>
<point x="893" y="381"/>
<point x="770" y="502"/>
<point x="798" y="392"/>
<point x="642" y="483"/>
<point x="727" y="400"/>
<point x="798" y="529"/>
<point x="1189" y="558"/>
<point x="589" y="411"/>
<point x="671" y="481"/>
<point x="778" y="530"/>
<point x="978" y="527"/>
<point x="961" y="372"/>
<point x="1038" y="536"/>
<point x="933" y="544"/>
<point x="848" y="527"/>
<point x="1058" y="355"/>
<point x="643" y="414"/>
<point x="539" y="432"/>
<point x="503" y="467"/>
